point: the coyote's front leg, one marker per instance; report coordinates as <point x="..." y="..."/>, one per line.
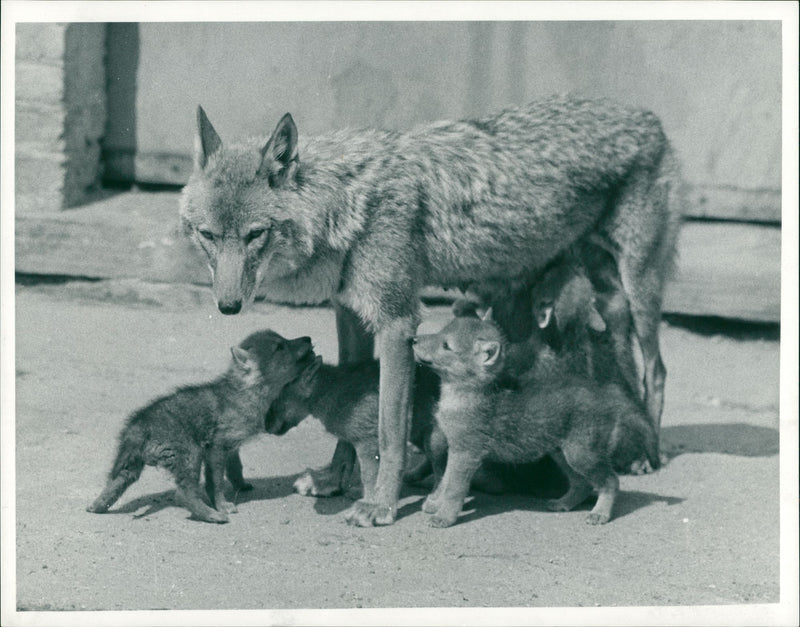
<point x="394" y="393"/>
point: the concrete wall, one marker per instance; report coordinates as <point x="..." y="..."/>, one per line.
<point x="716" y="85"/>
<point x="60" y="113"/>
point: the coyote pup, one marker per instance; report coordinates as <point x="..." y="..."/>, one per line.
<point x="206" y="424"/>
<point x="583" y="425"/>
<point x="366" y="219"/>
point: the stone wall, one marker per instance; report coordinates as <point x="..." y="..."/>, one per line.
<point x="60" y="108"/>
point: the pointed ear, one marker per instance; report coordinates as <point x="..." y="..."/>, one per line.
<point x="489" y="352"/>
<point x="308" y="375"/>
<point x="279" y="156"/>
<point x="487" y="315"/>
<point x="242" y="358"/>
<point x="544" y="316"/>
<point x="596" y="321"/>
<point x="463" y="308"/>
<point x="207" y="143"/>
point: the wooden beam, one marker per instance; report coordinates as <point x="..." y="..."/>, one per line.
<point x="730" y="270"/>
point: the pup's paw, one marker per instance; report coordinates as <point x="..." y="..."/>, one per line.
<point x="558" y="505"/>
<point x="318" y="483"/>
<point x="640" y="467"/>
<point x="227" y="506"/>
<point x="216" y="517"/>
<point x="597" y="518"/>
<point x="363" y="514"/>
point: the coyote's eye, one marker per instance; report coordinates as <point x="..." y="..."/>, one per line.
<point x="445" y="345"/>
<point x="254" y="235"/>
<point x="206" y="234"/>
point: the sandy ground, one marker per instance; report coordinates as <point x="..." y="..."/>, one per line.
<point x="702" y="531"/>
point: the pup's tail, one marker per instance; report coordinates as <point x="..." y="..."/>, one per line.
<point x="127" y="469"/>
<point x="634" y="435"/>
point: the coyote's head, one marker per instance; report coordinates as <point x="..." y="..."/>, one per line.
<point x="240" y="207"/>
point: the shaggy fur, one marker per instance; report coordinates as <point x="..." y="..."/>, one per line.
<point x="206" y="424"/>
<point x="584" y="425"/>
<point x="367" y="218"/>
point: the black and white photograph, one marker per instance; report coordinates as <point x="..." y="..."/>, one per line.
<point x="403" y="313"/>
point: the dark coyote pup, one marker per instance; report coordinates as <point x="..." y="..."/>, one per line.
<point x="206" y="424"/>
<point x="345" y="399"/>
<point x="583" y="425"/>
<point x="366" y="219"/>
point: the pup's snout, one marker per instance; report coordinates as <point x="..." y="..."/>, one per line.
<point x="303" y="345"/>
<point x="412" y="340"/>
<point x="230" y="308"/>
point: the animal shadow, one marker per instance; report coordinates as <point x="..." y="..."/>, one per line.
<point x="738" y="438"/>
<point x="264" y="489"/>
<point x="490" y="505"/>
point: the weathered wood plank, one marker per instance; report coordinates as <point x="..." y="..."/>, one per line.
<point x="703" y="201"/>
<point x="733" y="203"/>
<point x="730" y="270"/>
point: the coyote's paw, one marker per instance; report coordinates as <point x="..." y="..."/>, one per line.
<point x="318" y="483"/>
<point x="595" y="518"/>
<point x="243" y="487"/>
<point x="445" y="516"/>
<point x="430" y="505"/>
<point x="363" y="514"/>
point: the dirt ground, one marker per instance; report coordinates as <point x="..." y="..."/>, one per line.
<point x="704" y="530"/>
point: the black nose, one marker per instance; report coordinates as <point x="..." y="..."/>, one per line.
<point x="412" y="340"/>
<point x="230" y="308"/>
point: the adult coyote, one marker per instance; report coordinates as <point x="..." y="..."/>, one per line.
<point x="367" y="218"/>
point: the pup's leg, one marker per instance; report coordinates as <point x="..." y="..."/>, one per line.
<point x="356" y="344"/>
<point x="216" y="459"/>
<point x="599" y="473"/>
<point x="394" y="418"/>
<point x="126" y="470"/>
<point x="186" y="470"/>
<point x="233" y="468"/>
<point x="579" y="489"/>
<point x="446" y="501"/>
<point x="115" y="487"/>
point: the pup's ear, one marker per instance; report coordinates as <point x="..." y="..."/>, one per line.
<point x="206" y="143"/>
<point x="544" y="316"/>
<point x="279" y="156"/>
<point x="487" y="315"/>
<point x="308" y="375"/>
<point x="489" y="351"/>
<point x="463" y="308"/>
<point x="242" y="358"/>
<point x="596" y="321"/>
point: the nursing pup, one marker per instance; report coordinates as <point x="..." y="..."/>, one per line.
<point x="584" y="425"/>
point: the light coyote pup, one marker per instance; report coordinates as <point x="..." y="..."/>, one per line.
<point x="585" y="426"/>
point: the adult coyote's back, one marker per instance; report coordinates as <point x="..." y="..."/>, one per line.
<point x="367" y="218"/>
